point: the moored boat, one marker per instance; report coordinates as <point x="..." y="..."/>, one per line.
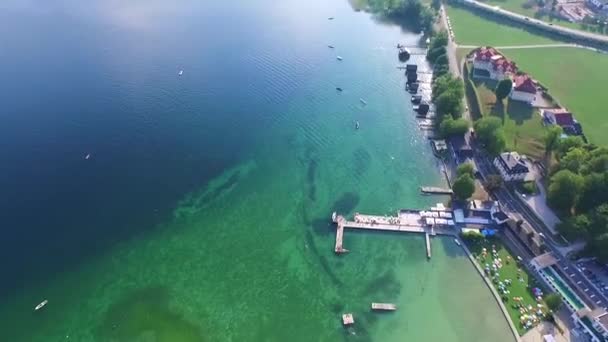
<point x="457" y="242"/>
<point x="41" y="305"/>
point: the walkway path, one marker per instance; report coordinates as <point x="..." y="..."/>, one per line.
<point x="536" y="46"/>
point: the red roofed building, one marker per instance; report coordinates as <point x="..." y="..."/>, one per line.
<point x="493" y="63"/>
<point x="563" y="118"/>
<point x="524" y="89"/>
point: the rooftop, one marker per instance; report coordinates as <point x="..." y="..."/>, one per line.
<point x="512" y="161"/>
<point x="524" y="84"/>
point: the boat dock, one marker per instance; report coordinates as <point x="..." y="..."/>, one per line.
<point x="409" y="221"/>
<point x="384" y="306"/>
<point x="436" y="190"/>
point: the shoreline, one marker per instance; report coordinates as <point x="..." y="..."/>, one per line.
<point x="492" y="289"/>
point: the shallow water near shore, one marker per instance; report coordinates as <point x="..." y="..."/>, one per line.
<point x="204" y="211"/>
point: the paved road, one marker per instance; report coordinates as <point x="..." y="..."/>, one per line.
<point x="513" y="205"/>
<point x="539" y="23"/>
<point x="537" y="46"/>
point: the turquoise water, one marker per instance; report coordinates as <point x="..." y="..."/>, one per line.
<point x="203" y="213"/>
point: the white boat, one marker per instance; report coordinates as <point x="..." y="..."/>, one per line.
<point x="457" y="242"/>
<point x="357" y="125"/>
<point x="181" y="72"/>
<point x="87" y="156"/>
<point x="41" y="305"/>
<point x="363" y="101"/>
<point x="339" y="58"/>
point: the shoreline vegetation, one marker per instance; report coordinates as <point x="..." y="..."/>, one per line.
<point x="413" y="14"/>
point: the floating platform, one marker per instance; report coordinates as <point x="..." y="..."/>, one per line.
<point x="384" y="306"/>
<point x="436" y="190"/>
<point x="347" y="319"/>
<point x="428" y="245"/>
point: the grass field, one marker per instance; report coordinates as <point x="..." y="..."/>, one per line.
<point x="473" y="29"/>
<point x="575" y="77"/>
<point x="521" y="282"/>
<point x="516" y="6"/>
<point x="522" y="124"/>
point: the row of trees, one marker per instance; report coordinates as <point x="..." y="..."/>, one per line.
<point x="447" y="90"/>
<point x="578" y="191"/>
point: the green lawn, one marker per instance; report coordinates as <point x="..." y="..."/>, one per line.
<point x="575" y="77"/>
<point x="521" y="282"/>
<point x="516" y="6"/>
<point x="522" y="124"/>
<point x="473" y="29"/>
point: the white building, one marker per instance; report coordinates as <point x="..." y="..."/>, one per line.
<point x="511" y="166"/>
<point x="493" y="62"/>
<point x="524" y="89"/>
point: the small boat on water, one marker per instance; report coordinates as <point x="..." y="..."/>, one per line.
<point x="330" y="18"/>
<point x="363" y="101"/>
<point x="339" y="89"/>
<point x="87" y="156"/>
<point x="457" y="242"/>
<point x="181" y="72"/>
<point x="41" y="305"/>
<point x="339" y="58"/>
<point x="330" y="46"/>
<point x="357" y="125"/>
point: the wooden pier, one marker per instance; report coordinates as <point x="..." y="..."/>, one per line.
<point x="410" y="222"/>
<point x="384" y="306"/>
<point x="436" y="190"/>
<point x="428" y="244"/>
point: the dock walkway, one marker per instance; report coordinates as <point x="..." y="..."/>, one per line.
<point x="409" y="222"/>
<point x="436" y="190"/>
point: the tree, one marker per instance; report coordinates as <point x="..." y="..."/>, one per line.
<point x="463" y="187"/>
<point x="441" y="60"/>
<point x="568" y="143"/>
<point x="441" y="38"/>
<point x="575" y="228"/>
<point x="450" y="127"/>
<point x="564" y="190"/>
<point x="554" y="301"/>
<point x="446" y="83"/>
<point x="449" y="103"/>
<point x="436" y="4"/>
<point x="493" y="183"/>
<point x="595" y="191"/>
<point x="503" y="89"/>
<point x="465" y="169"/>
<point x="599" y="247"/>
<point x="574" y="159"/>
<point x="489" y="132"/>
<point x="432" y="55"/>
<point x="552" y="137"/>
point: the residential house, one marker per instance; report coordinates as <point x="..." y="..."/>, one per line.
<point x="524" y="89"/>
<point x="512" y="166"/>
<point x="563" y="118"/>
<point x="491" y="62"/>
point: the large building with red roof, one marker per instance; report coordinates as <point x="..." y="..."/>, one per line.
<point x="497" y="66"/>
<point x="524" y="88"/>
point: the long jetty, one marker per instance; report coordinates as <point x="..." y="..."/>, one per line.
<point x="436" y="190"/>
<point x="408" y="221"/>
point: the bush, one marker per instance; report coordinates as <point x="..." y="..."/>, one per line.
<point x="472" y="236"/>
<point x="529" y="188"/>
